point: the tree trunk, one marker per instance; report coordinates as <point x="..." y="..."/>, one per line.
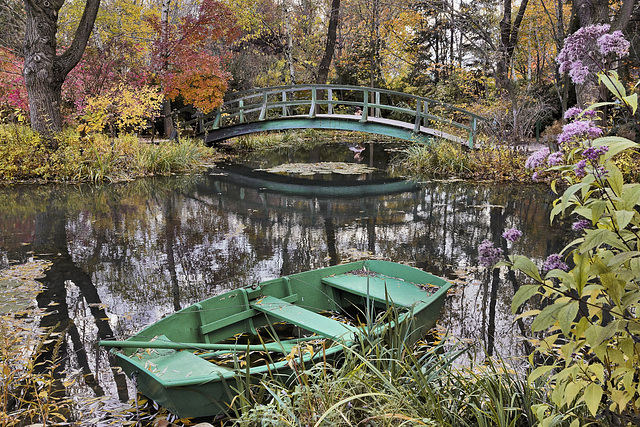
<point x="288" y="50"/>
<point x="508" y="43"/>
<point x="44" y="72"/>
<point x="166" y="104"/>
<point x="325" y="63"/>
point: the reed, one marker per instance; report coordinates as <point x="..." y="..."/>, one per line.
<point x="383" y="382"/>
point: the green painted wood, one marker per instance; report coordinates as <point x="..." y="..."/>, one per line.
<point x="171" y="345"/>
<point x="279" y="105"/>
<point x="306" y="319"/>
<point x="381" y="288"/>
<point x="190" y="386"/>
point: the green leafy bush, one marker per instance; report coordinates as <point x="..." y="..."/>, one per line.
<point x="589" y="294"/>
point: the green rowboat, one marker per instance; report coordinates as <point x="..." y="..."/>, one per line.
<point x="191" y="362"/>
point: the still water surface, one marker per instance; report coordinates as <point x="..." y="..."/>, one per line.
<point x="125" y="255"/>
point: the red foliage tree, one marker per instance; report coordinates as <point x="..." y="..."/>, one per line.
<point x="189" y="58"/>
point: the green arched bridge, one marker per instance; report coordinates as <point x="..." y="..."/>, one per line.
<point x="350" y="108"/>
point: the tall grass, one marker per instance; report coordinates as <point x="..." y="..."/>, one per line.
<point x="24" y="156"/>
<point x="436" y="159"/>
<point x="381" y="381"/>
<point x="443" y="158"/>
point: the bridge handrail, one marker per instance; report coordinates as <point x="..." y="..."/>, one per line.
<point x="301" y="87"/>
<point x="234" y="106"/>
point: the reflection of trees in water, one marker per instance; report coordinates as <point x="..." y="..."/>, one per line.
<point x="146" y="248"/>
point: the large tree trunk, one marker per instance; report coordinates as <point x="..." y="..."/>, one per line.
<point x="332" y="31"/>
<point x="508" y="42"/>
<point x="590" y="12"/>
<point x="44" y="71"/>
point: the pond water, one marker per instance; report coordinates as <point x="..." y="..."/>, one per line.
<point x="125" y="255"/>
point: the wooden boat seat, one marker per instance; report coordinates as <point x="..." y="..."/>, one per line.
<point x="381" y="288"/>
<point x="305" y="319"/>
<point x="175" y="366"/>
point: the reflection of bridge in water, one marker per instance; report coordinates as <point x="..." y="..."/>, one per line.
<point x="349" y="108"/>
<point x="339" y="187"/>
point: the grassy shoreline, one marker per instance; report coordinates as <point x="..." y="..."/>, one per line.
<point x="26" y="158"/>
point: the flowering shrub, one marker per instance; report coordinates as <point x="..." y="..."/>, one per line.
<point x="589" y="293"/>
<point x="13" y="92"/>
<point x="585" y="51"/>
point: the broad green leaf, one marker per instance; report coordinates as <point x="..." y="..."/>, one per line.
<point x="616" y="144"/>
<point x="596" y="334"/>
<point x="615" y="178"/>
<point x="612" y="82"/>
<point x="592" y="396"/>
<point x="522" y="295"/>
<point x="597" y="209"/>
<point x="572" y="391"/>
<point x="621" y="258"/>
<point x="613" y="286"/>
<point x="539" y="371"/>
<point x="624" y="218"/>
<point x="575" y="423"/>
<point x="569" y="194"/>
<point x="631" y="195"/>
<point x="547" y="317"/>
<point x="527" y="266"/>
<point x="567" y="315"/>
<point x="597" y="369"/>
<point x="581" y="271"/>
<point x="632" y="101"/>
<point x="596" y="238"/>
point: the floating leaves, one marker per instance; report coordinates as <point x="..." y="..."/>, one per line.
<point x="321" y="168"/>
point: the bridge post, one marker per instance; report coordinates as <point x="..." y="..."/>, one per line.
<point x="330" y="98"/>
<point x="377" y="111"/>
<point x="216" y="122"/>
<point x="314" y="95"/>
<point x="365" y="105"/>
<point x="241" y="107"/>
<point x="418" y="120"/>
<point x="284" y="107"/>
<point x="425" y="110"/>
<point x="472" y="132"/>
<point x="263" y="111"/>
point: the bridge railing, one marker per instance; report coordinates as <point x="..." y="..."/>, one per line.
<point x="313" y="100"/>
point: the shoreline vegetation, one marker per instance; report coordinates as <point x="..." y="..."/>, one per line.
<point x="26" y="158"/>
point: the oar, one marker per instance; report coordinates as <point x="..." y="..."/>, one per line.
<point x="197" y="346"/>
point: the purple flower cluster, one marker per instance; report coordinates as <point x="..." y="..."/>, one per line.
<point x="581" y="225"/>
<point x="585" y="50"/>
<point x="541" y="158"/>
<point x="614" y="42"/>
<point x="487" y="254"/>
<point x="572" y="112"/>
<point x="537" y="159"/>
<point x="579" y="168"/>
<point x="594" y="153"/>
<point x="553" y="262"/>
<point x="512" y="234"/>
<point x="580" y="128"/>
<point x="555" y="158"/>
